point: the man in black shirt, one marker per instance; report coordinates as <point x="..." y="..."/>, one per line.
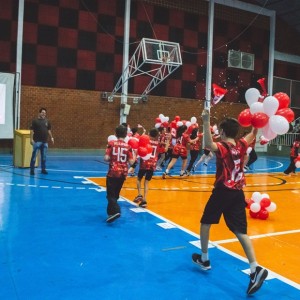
<point x="40" y="129"/>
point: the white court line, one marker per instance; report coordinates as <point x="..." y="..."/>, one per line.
<point x="259" y="236"/>
<point x="219" y="247"/>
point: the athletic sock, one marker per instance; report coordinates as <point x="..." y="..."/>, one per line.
<point x="204" y="256"/>
<point x="253" y="266"/>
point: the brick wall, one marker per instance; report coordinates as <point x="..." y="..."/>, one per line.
<point x="81" y="119"/>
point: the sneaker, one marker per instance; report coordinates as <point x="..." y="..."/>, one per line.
<point x="31" y="172"/>
<point x="138" y="199"/>
<point x="182" y="173"/>
<point x="143" y="204"/>
<point x="187" y="173"/>
<point x="164" y="175"/>
<point x="204" y="265"/>
<point x="256" y="280"/>
<point x="44" y="172"/>
<point x="112" y="218"/>
<point x="193" y="170"/>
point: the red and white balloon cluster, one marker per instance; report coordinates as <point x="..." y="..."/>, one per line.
<point x="271" y="114"/>
<point x="143" y="146"/>
<point x="161" y="121"/>
<point x="260" y="206"/>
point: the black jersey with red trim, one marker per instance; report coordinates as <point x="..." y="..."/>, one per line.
<point x="230" y="164"/>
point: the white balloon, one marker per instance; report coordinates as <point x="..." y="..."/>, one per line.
<point x="256" y="196"/>
<point x="272" y="207"/>
<point x="157" y="125"/>
<point x="179" y="123"/>
<point x="268" y="133"/>
<point x="271" y="105"/>
<point x="252" y="96"/>
<point x="188" y="124"/>
<point x="146" y="157"/>
<point x="111" y="138"/>
<point x="256" y="107"/>
<point x="161" y="116"/>
<point x="193" y="120"/>
<point x="265" y="195"/>
<point x="255" y="207"/>
<point x="279" y="124"/>
<point x="297" y="164"/>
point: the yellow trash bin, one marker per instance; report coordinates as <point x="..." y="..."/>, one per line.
<point x="23" y="149"/>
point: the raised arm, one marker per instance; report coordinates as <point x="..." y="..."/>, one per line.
<point x="251" y="135"/>
<point x="208" y="140"/>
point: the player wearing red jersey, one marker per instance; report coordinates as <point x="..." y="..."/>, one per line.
<point x="146" y="169"/>
<point x="134" y="134"/>
<point x="293" y="154"/>
<point x="227" y="197"/>
<point x="163" y="146"/>
<point x="195" y="144"/>
<point x="118" y="153"/>
<point x="179" y="150"/>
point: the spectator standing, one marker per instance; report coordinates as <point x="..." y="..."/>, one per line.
<point x="40" y="130"/>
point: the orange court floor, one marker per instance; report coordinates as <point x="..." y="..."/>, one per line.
<point x="181" y="200"/>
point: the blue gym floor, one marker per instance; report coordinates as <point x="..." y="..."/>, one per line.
<point x="55" y="243"/>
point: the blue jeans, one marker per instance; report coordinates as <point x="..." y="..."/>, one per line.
<point x="43" y="147"/>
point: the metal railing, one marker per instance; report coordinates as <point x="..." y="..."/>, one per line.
<point x="285" y="139"/>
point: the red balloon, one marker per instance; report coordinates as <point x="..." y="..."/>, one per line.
<point x="157" y="120"/>
<point x="244" y="118"/>
<point x="287" y="113"/>
<point x="259" y="120"/>
<point x="173" y="124"/>
<point x="133" y="143"/>
<point x="253" y="215"/>
<point x="297" y="159"/>
<point x="191" y="128"/>
<point x="144" y="140"/>
<point x="142" y="151"/>
<point x="263" y="214"/>
<point x="177" y="118"/>
<point x="149" y="149"/>
<point x="283" y="99"/>
<point x="265" y="202"/>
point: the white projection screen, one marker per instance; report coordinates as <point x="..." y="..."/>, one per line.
<point x="6" y="105"/>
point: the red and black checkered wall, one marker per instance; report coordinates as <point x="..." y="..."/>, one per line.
<point x="78" y="44"/>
